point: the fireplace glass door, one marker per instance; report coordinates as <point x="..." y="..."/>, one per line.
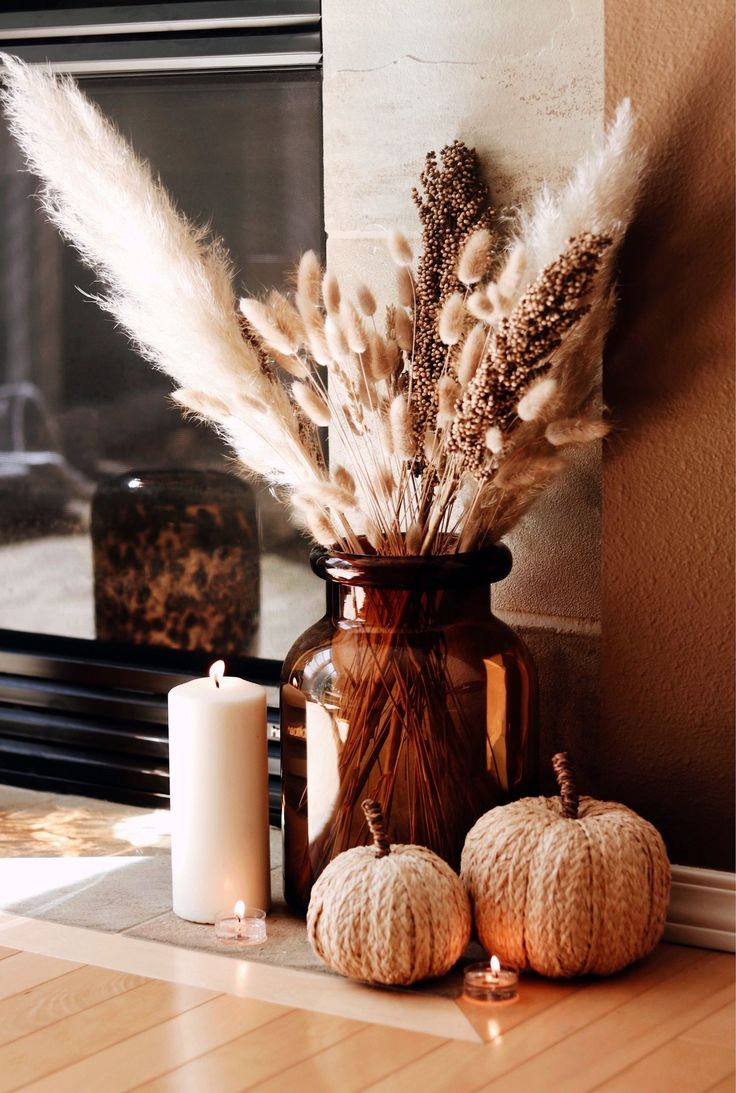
<point x="119" y="520"/>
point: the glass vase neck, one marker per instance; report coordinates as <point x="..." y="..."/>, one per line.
<point x="411" y="593"/>
<point x="430" y="571"/>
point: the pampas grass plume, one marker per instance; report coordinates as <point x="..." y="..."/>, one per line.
<point x="168" y="284"/>
<point x="452" y="319"/>
<point x="399" y="248"/>
<point x="532" y="404"/>
<point x="474" y="257"/>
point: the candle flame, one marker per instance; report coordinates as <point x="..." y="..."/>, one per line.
<point x="217" y="671"/>
<point x="495" y="965"/>
<point x="239" y="909"/>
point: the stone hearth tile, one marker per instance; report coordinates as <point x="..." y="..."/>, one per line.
<point x="119" y="893"/>
<point x="287" y="945"/>
<point x="14" y="797"/>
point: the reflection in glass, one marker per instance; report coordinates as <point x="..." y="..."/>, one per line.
<point x="78" y="407"/>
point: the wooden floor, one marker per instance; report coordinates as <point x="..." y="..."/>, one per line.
<point x="667" y="1026"/>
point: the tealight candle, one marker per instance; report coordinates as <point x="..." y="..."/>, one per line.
<point x="241" y="926"/>
<point x="491" y="982"/>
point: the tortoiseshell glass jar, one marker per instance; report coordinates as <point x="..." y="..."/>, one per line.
<point x="409" y="691"/>
<point x="176" y="560"/>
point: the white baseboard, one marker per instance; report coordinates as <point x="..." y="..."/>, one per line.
<point x="702" y="910"/>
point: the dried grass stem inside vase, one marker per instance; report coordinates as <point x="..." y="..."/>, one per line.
<point x="408" y="691"/>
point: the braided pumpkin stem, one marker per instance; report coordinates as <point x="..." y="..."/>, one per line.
<point x="377" y="825"/>
<point x="568" y="790"/>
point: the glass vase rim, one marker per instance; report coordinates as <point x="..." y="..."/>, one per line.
<point x="449" y="570"/>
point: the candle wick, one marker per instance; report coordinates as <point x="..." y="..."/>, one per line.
<point x="217" y="683"/>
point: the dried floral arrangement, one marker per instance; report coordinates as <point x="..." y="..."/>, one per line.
<point x="451" y="413"/>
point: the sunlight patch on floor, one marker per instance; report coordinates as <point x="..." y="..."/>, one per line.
<point x="22" y="879"/>
<point x="151" y="829"/>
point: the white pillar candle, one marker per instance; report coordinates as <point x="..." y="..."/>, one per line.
<point x="218" y="762"/>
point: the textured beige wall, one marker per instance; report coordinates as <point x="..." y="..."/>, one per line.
<point x="525" y="84"/>
<point x="666" y="741"/>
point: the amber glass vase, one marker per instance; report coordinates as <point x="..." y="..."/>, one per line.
<point x="408" y="691"/>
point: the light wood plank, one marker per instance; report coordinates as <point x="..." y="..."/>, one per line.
<point x="603" y="1047"/>
<point x="58" y="998"/>
<point x="719" y="1028"/>
<point x="260" y="1054"/>
<point x="158" y="1049"/>
<point x="447" y="1068"/>
<point x="679" y="1066"/>
<point x="24" y="970"/>
<point x="7" y="952"/>
<point x="352" y="1063"/>
<point x="450" y="1069"/>
<point x="535" y="995"/>
<point x="42" y="1053"/>
<point x="726" y="1085"/>
<point x="267" y="982"/>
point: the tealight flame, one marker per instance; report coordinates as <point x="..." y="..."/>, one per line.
<point x="217" y="671"/>
<point x="495" y="965"/>
<point x="239" y="909"/>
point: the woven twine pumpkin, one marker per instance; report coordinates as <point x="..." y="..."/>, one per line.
<point x="388" y="914"/>
<point x="566" y="885"/>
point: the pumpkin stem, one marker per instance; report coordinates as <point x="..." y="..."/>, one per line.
<point x="376" y="823"/>
<point x="568" y="790"/>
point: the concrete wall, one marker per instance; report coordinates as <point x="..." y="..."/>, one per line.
<point x="526" y="85"/>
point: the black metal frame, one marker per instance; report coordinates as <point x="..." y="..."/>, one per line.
<point x="88" y="717"/>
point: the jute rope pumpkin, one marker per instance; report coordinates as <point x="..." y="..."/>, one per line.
<point x="566" y="885"/>
<point x="388" y="914"/>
